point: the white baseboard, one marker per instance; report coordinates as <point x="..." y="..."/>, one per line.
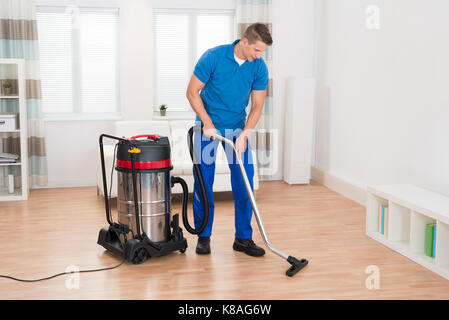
<point x="72" y="183"/>
<point x="349" y="190"/>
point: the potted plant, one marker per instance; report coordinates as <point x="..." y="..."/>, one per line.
<point x="7" y="87"/>
<point x="163" y="109"/>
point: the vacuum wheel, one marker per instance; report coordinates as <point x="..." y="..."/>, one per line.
<point x="140" y="256"/>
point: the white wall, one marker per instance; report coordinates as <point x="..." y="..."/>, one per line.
<point x="383" y="109"/>
<point x="72" y="148"/>
<point x="293" y="55"/>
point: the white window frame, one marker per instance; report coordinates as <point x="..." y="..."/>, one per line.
<point x="98" y="5"/>
<point x="192" y="52"/>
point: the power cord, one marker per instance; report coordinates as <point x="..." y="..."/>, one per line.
<point x="64" y="273"/>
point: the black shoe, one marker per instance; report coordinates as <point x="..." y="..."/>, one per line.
<point x="203" y="245"/>
<point x="248" y="246"/>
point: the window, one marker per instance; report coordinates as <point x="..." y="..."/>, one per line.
<point x="79" y="59"/>
<point x="180" y="38"/>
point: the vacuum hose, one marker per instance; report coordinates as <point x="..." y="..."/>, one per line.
<point x="185" y="192"/>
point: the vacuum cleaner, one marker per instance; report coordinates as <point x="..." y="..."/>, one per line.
<point x="145" y="227"/>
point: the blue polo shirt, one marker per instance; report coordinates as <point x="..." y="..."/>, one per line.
<point x="228" y="86"/>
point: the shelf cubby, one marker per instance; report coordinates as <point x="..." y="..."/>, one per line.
<point x="418" y="232"/>
<point x="410" y="209"/>
<point x="372" y="207"/>
<point x="14" y="101"/>
<point x="4" y="190"/>
<point x="442" y="245"/>
<point x="398" y="223"/>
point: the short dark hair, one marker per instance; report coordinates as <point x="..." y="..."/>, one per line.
<point x="258" y="32"/>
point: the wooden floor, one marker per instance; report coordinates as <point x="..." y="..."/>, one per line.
<point x="57" y="228"/>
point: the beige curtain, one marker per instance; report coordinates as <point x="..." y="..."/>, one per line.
<point x="249" y="12"/>
<point x="18" y="40"/>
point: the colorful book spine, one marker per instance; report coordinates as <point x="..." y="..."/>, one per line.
<point x="383" y="219"/>
<point x="434" y="240"/>
<point x="430" y="232"/>
<point x="382" y="229"/>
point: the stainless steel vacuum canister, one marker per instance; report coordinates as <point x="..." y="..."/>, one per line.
<point x="152" y="166"/>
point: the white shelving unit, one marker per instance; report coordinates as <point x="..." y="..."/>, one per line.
<point x="410" y="208"/>
<point x="17" y="68"/>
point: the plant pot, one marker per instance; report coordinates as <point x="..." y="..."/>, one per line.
<point x="163" y="112"/>
<point x="7" y="91"/>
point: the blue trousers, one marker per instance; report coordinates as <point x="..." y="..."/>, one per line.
<point x="206" y="156"/>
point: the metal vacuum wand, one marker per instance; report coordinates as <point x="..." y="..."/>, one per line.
<point x="297" y="265"/>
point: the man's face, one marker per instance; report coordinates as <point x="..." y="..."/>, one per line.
<point x="253" y="51"/>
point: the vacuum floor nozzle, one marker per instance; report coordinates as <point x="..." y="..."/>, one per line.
<point x="297" y="265"/>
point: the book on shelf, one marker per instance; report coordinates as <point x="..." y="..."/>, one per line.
<point x="430" y="239"/>
<point x="383" y="219"/>
<point x="434" y="240"/>
<point x="8" y="157"/>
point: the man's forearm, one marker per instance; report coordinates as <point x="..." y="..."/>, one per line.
<point x="253" y="118"/>
<point x="258" y="100"/>
<point x="197" y="105"/>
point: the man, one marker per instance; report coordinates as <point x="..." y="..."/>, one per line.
<point x="227" y="76"/>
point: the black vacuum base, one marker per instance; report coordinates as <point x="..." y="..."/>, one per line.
<point x="139" y="250"/>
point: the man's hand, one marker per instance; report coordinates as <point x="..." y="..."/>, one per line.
<point x="210" y="131"/>
<point x="193" y="95"/>
<point x="241" y="142"/>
